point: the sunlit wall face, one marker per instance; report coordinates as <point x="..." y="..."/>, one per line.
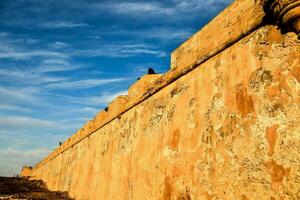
<point x="62" y="61"/>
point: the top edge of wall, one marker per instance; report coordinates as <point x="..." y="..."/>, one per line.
<point x="236" y="21"/>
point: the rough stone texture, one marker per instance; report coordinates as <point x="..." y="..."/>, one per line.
<point x="137" y="90"/>
<point x="228" y="128"/>
<point x="238" y="20"/>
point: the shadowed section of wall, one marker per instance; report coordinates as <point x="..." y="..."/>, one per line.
<point x="222" y="123"/>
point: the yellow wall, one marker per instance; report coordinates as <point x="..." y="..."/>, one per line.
<point x="228" y="129"/>
<point x="223" y="123"/>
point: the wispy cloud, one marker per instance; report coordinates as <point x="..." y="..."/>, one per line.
<point x="59" y="50"/>
<point x="56" y="65"/>
<point x="122" y="51"/>
<point x="58" y="45"/>
<point x="24" y="122"/>
<point x="137" y="8"/>
<point x="21" y="49"/>
<point x="207" y="5"/>
<point x="178" y="9"/>
<point x="104" y="98"/>
<point x="11" y="107"/>
<point x="62" y="25"/>
<point x="22" y="55"/>
<point x="166" y="33"/>
<point x="18" y="94"/>
<point x="3" y="34"/>
<point x="161" y="33"/>
<point x="94" y="101"/>
<point x="84" y="84"/>
<point x="21" y="153"/>
<point x="32" y="76"/>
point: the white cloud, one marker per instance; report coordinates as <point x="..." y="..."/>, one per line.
<point x="31" y="41"/>
<point x="63" y="24"/>
<point x="137" y="8"/>
<point x="32" y="76"/>
<point x="86" y="110"/>
<point x="58" y="45"/>
<point x="94" y="101"/>
<point x="13" y="50"/>
<point x="165" y="33"/>
<point x="18" y="49"/>
<point x="56" y="65"/>
<point x="24" y="55"/>
<point x="15" y="94"/>
<point x="161" y="33"/>
<point x="104" y="99"/>
<point x="83" y="84"/>
<point x="176" y="10"/>
<point x="209" y="5"/>
<point x="57" y="68"/>
<point x="17" y="122"/>
<point x="10" y="107"/>
<point x="55" y="62"/>
<point x="21" y="153"/>
<point x="122" y="51"/>
<point x="97" y="37"/>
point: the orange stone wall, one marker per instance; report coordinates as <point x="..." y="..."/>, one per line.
<point x="26" y="172"/>
<point x="226" y="126"/>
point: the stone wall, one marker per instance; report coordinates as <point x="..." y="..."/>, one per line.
<point x="223" y="123"/>
<point x="26" y="171"/>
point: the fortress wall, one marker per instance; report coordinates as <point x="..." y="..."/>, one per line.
<point x="227" y="127"/>
<point x="239" y="19"/>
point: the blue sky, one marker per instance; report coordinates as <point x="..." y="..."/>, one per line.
<point x="62" y="61"/>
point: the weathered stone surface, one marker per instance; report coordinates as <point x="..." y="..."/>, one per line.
<point x="137" y="90"/>
<point x="100" y="119"/>
<point x="228" y="128"/>
<point x="117" y="106"/>
<point x="238" y="20"/>
<point x="222" y="131"/>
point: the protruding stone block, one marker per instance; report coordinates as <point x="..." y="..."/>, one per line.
<point x="239" y="19"/>
<point x="72" y="140"/>
<point x="117" y="106"/>
<point x="26" y="171"/>
<point x="138" y="89"/>
<point x="68" y="141"/>
<point x="88" y="128"/>
<point x="100" y="119"/>
<point x="79" y="135"/>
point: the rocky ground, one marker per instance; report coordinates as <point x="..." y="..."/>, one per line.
<point x="24" y="189"/>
